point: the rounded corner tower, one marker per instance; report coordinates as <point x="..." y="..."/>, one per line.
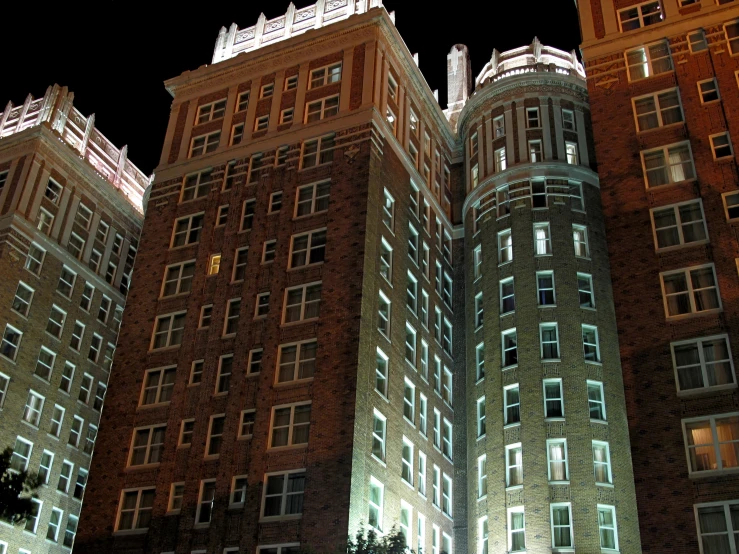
<point x="548" y="440"/>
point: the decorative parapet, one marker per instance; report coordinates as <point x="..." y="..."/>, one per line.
<point x="234" y="41"/>
<point x="57" y="111"/>
<point x="529" y="59"/>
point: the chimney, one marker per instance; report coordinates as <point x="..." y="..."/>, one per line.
<point x="459" y="81"/>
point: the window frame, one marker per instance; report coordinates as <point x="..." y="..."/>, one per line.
<point x="698" y="342"/>
<point x="686" y="271"/>
<point x="283" y="496"/>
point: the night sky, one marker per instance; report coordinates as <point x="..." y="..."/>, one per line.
<point x="115" y="55"/>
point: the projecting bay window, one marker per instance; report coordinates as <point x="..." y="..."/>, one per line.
<point x="657" y="110"/>
<point x="679" y="224"/>
<point x="712" y="443"/>
<point x="668" y="164"/>
<point x="648" y="61"/>
<point x="692" y="290"/>
<point x="703" y="363"/>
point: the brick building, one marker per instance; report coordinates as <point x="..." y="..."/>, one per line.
<point x="285" y="371"/>
<point x="664" y="92"/>
<point x="70" y="218"/>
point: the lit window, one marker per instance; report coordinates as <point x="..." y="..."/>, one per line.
<point x="376" y="494"/>
<point x="557" y="460"/>
<point x="499" y="158"/>
<point x="602" y="463"/>
<point x="505" y="247"/>
<point x="290" y="425"/>
<point x="542" y="239"/>
<point x="703" y="363"/>
<point x="648" y="61"/>
<point x="691" y="290"/>
<point x="580" y="240"/>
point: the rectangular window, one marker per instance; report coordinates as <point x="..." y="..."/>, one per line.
<point x="607" y="527"/>
<point x="237" y="497"/>
<point x="422" y="414"/>
<point x="44" y="221"/>
<point x="10" y="342"/>
<point x="411" y="297"/>
<point x="703" y="363"/>
<point x="553" y="399"/>
<point x="290" y="425"/>
<point x="690" y="290"/>
<point x="308" y="248"/>
<point x="379" y="428"/>
<point x="261" y="123"/>
<point x="648" y="61"/>
<point x="325" y="75"/>
<point x="233" y="312"/>
<point x="507" y="296"/>
<point x="580" y="241"/>
<point x="261" y="307"/>
<point x="147" y="445"/>
<point x="76" y="246"/>
<point x="311" y="199"/>
<point x="535" y="151"/>
<point x="561" y="518"/>
<point x="446" y="497"/>
<point x="246" y="424"/>
<point x="668" y="164"/>
<point x="410" y="345"/>
<point x="436" y="500"/>
<point x="388" y="210"/>
<point x="286" y="116"/>
<point x="481" y="425"/>
<point x="721" y="146"/>
<point x="712" y="442"/>
<point x="45" y="363"/>
<point x="446" y="343"/>
<point x="421" y="475"/>
<point x="34" y="406"/>
<point x="480" y="361"/>
<point x="223" y="377"/>
<point x="211" y="111"/>
<point x="96" y="343"/>
<point x="321" y="109"/>
<point x="317" y="151"/>
<point x="376" y="493"/>
<point x="505" y="247"/>
<point x="514" y="465"/>
<point x="55" y="523"/>
<point x="499" y="159"/>
<point x="65" y="475"/>
<point x="718" y="527"/>
<point x="247" y="215"/>
<point x="134" y="509"/>
<point x="158" y="386"/>
<point x="596" y="401"/>
<point x="176" y="496"/>
<point x="44" y="470"/>
<point x="512" y="405"/>
<point x="381" y="373"/>
<point x="532" y="118"/>
<point x="168" y="330"/>
<point x="237" y="134"/>
<point x="87" y="294"/>
<point x="542" y="239"/>
<point x="510" y="347"/>
<point x="602" y="463"/>
<point x="409" y="401"/>
<point x="590" y="344"/>
<point x="283" y="495"/>
<point x="446" y="392"/>
<point x="585" y="290"/>
<point x="549" y="339"/>
<point x="482" y="476"/>
<point x="214" y="440"/>
<point x="206" y="315"/>
<point x="239" y="270"/>
<point x="206" y="501"/>
<point x="267" y="90"/>
<point x="32" y="520"/>
<point x="22" y="299"/>
<point x="187" y="230"/>
<point x="557" y="460"/>
<point x="732" y="36"/>
<point x="302" y="303"/>
<point x="275" y="202"/>
<point x="657" y="110"/>
<point x="204" y="144"/>
<point x="571" y="153"/>
<point x="71" y="530"/>
<point x="187" y="428"/>
<point x="35" y="259"/>
<point x="406" y="472"/>
<point x="708" y="91"/>
<point x="383" y="324"/>
<point x="386" y="260"/>
<point x="55" y="325"/>
<point x="641" y="15"/>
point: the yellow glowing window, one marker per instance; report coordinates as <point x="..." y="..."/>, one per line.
<point x="215" y="264"/>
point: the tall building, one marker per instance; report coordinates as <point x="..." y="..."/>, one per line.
<point x="663" y="79"/>
<point x="548" y="458"/>
<point x="70" y="218"/>
<point x="285" y="371"/>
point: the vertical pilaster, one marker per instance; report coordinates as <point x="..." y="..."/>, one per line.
<point x="346" y="79"/>
<point x="523" y="152"/>
<point x="185" y="140"/>
<point x="545" y="129"/>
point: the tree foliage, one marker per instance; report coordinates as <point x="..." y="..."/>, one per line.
<point x="17" y="489"/>
<point x="371" y="543"/>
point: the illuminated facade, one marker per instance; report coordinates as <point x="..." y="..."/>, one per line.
<point x="70" y="218"/>
<point x="663" y="79"/>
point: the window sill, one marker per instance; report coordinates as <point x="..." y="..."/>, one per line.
<point x="691" y="315"/>
<point x="666" y="185"/>
<point x="385" y="398"/>
<point x="606" y="485"/>
<point x="588" y="308"/>
<point x="508" y="367"/>
<point x="287" y="384"/>
<point x="514" y="488"/>
<point x="670" y="126"/>
<point x="163" y="349"/>
<point x="141" y="467"/>
<point x="704" y="390"/>
<point x="296" y="268"/>
<point x="378" y="460"/>
<point x="293" y="323"/>
<point x="409" y="422"/>
<point x="287" y="447"/>
<point x="483" y="497"/>
<point x="681" y="246"/>
<point x="29" y="424"/>
<point x="559" y="482"/>
<point x="481" y="437"/>
<point x="53" y="437"/>
<point x="172" y="513"/>
<point x="131" y="532"/>
<point x="712" y="472"/>
<point x="269" y="519"/>
<point x="480" y="381"/>
<point x="512" y="425"/>
<point x="554" y="419"/>
<point x="547" y="306"/>
<point x="594" y="362"/>
<point x="407" y="484"/>
<point x="244" y="437"/>
<point x="599" y="421"/>
<point x="551" y="360"/>
<point x="153" y="406"/>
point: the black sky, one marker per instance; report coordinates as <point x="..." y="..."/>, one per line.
<point x="115" y="55"/>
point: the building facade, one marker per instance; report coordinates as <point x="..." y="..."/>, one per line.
<point x="548" y="462"/>
<point x="285" y="373"/>
<point x="70" y="218"/>
<point x="664" y="92"/>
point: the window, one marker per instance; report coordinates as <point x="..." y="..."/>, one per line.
<point x="134" y="510"/>
<point x="290" y="425"/>
<point x="446" y="497"/>
<point x="447" y="337"/>
<point x="505" y="247"/>
<point x="422" y="414"/>
<point x="275" y="202"/>
<point x="480" y="361"/>
<point x="721" y="146"/>
<point x="283" y="494"/>
<point x="507" y="297"/>
<point x="246" y="424"/>
<point x="406" y="472"/>
<point x="214" y="440"/>
<point x="379" y="428"/>
<point x="325" y="75"/>
<point x="32" y="520"/>
<point x="67" y="376"/>
<point x="437" y="375"/>
<point x="211" y="111"/>
<point x="561" y="518"/>
<point x="99" y="396"/>
<point x="23" y="298"/>
<point x="436" y="484"/>
<point x="718" y="527"/>
<point x="55" y="325"/>
<point x="317" y="151"/>
<point x="187" y="428"/>
<point x="532" y="118"/>
<point x="85" y="388"/>
<point x="602" y="463"/>
<point x="311" y="199"/>
<point x="44" y="221"/>
<point x="410" y="345"/>
<point x="535" y="152"/>
<point x="53" y="191"/>
<point x="571" y="152"/>
<point x="580" y="240"/>
<point x="10" y="342"/>
<point x="711" y="442"/>
<point x="158" y="386"/>
<point x="703" y="363"/>
<point x="383" y="324"/>
<point x="542" y="239"/>
<point x="66" y="282"/>
<point x="482" y="476"/>
<point x="512" y="405"/>
<point x="239" y="270"/>
<point x="168" y="330"/>
<point x="176" y="496"/>
<point x="269" y="251"/>
<point x="267" y="90"/>
<point x="690" y="290"/>
<point x="437" y="324"/>
<point x="590" y="345"/>
<point x="386" y="261"/>
<point x="96" y="344"/>
<point x="206" y="314"/>
<point x="147" y="445"/>
<point x="204" y="144"/>
<point x="596" y="401"/>
<point x="34" y="406"/>
<point x="247" y="216"/>
<point x="607" y="527"/>
<point x="321" y="109"/>
<point x="302" y="303"/>
<point x="499" y="158"/>
<point x="44" y="470"/>
<point x="557" y="460"/>
<point x="568" y="120"/>
<point x="206" y="500"/>
<point x="35" y="259"/>
<point x="233" y="312"/>
<point x="261" y="123"/>
<point x="514" y="465"/>
<point x="308" y="248"/>
<point x="86" y="299"/>
<point x="679" y="224"/>
<point x="549" y="339"/>
<point x="238" y="494"/>
<point x="65" y="476"/>
<point x="388" y="211"/>
<point x="447" y="386"/>
<point x="281" y="152"/>
<point x="648" y="61"/>
<point x="55" y="522"/>
<point x="409" y="401"/>
<point x="381" y="372"/>
<point x="223" y="378"/>
<point x="291" y="82"/>
<point x="668" y="164"/>
<point x="196" y="372"/>
<point x="510" y="348"/>
<point x="732" y="36"/>
<point x="641" y="15"/>
<point x="110" y="273"/>
<point x="657" y="110"/>
<point x="71" y="531"/>
<point x="104" y="309"/>
<point x="553" y="399"/>
<point x="261" y="308"/>
<point x="187" y="230"/>
<point x="376" y="493"/>
<point x="481" y="426"/>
